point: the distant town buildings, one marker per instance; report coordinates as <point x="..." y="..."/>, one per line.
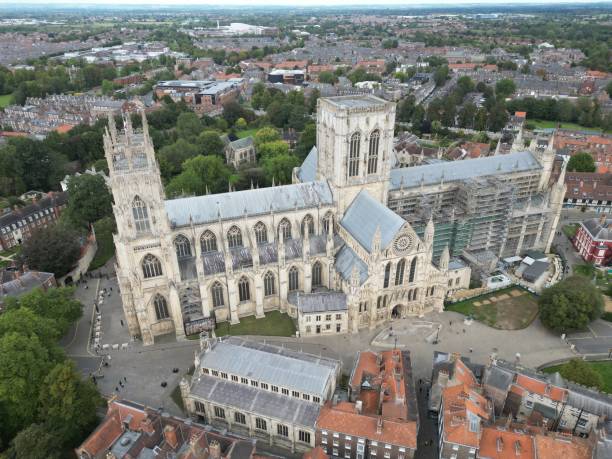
<point x="122" y="54"/>
<point x="204" y="96"/>
<point x="58" y="112"/>
<point x="16" y="281"/>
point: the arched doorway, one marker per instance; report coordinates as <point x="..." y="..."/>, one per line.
<point x="396" y="312"/>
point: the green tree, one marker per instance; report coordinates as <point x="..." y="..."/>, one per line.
<point x="441" y="75"/>
<point x="266" y="134"/>
<point x="579" y="371"/>
<point x="581" y="162"/>
<point x="39" y="167"/>
<point x="241" y="124"/>
<point x="200" y="174"/>
<point x="210" y="143"/>
<point x="27" y="323"/>
<point x="54" y="249"/>
<point x="67" y="404"/>
<point x="327" y="77"/>
<point x="171" y="157"/>
<point x="307" y="140"/>
<point x="36" y="442"/>
<point x="188" y="126"/>
<point x="609" y="89"/>
<point x="467" y="115"/>
<point x="570" y="304"/>
<point x="280" y="167"/>
<point x="24" y="362"/>
<point x="505" y="88"/>
<point x="56" y="305"/>
<point x="272" y="149"/>
<point x="89" y="199"/>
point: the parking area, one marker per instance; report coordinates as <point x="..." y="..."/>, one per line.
<point x="597" y="340"/>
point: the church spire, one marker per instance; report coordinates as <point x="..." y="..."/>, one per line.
<point x="376" y="240"/>
<point x="429" y="231"/>
<point x="444" y="259"/>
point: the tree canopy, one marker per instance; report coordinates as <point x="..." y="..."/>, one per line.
<point x="579" y="371"/>
<point x="581" y="162"/>
<point x="54" y="249"/>
<point x="570" y="304"/>
<point x="89" y="199"/>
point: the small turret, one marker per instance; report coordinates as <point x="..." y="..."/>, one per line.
<point x="429" y="231"/>
<point x="444" y="259"/>
<point x="376" y="240"/>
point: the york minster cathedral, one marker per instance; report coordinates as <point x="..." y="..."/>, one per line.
<point x="326" y="249"/>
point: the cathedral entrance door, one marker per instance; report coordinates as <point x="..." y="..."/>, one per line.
<point x="396" y="312"/>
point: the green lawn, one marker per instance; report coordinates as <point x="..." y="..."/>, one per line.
<point x="545" y="124"/>
<point x="508" y="309"/>
<point x="274" y="324"/>
<point x="106" y="247"/>
<point x="5" y="100"/>
<point x="603" y="368"/>
<point x="602" y="279"/>
<point x="246" y="133"/>
<point x="570" y="230"/>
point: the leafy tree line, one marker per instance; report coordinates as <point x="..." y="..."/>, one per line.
<point x="47" y="408"/>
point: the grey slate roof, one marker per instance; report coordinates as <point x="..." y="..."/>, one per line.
<point x="268" y="364"/>
<point x="27" y="281"/>
<point x="451" y="171"/>
<point x="357" y="101"/>
<point x="497" y="377"/>
<point x="250" y="399"/>
<point x="318" y="302"/>
<point x="239" y="144"/>
<point x="535" y="270"/>
<point x="346" y="259"/>
<point x="210" y="208"/>
<point x="364" y="215"/>
<point x="599" y="230"/>
<point x="308" y="169"/>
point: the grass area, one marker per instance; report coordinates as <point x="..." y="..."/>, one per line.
<point x="570" y="230"/>
<point x="246" y="133"/>
<point x="274" y="324"/>
<point x="104" y="229"/>
<point x="603" y="368"/>
<point x="602" y="279"/>
<point x="507" y="309"/>
<point x="544" y="124"/>
<point x="5" y="100"/>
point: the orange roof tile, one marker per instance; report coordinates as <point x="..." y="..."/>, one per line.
<point x="520" y="114"/>
<point x="344" y="418"/>
<point x="556" y="446"/>
<point x="13" y="134"/>
<point x="315" y="453"/>
<point x="499" y="443"/>
<point x="457" y="401"/>
<point x="64" y="128"/>
<point x="541" y="388"/>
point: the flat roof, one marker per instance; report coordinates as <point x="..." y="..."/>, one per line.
<point x="351" y="102"/>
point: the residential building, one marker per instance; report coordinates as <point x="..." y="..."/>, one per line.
<point x="380" y="420"/>
<point x="320" y="313"/>
<point x="259" y="390"/>
<point x="205" y="96"/>
<point x="131" y="430"/>
<point x="15" y="282"/>
<point x="591" y="190"/>
<point x="18" y="225"/>
<point x="593" y="240"/>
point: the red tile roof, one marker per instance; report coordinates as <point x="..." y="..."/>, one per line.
<point x="499" y="443"/>
<point x="536" y="386"/>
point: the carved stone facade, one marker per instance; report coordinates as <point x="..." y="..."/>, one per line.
<point x="248" y="252"/>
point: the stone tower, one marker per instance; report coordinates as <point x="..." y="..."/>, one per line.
<point x="354" y="144"/>
<point x="146" y="270"/>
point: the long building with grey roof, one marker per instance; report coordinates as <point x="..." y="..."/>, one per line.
<point x="351" y="244"/>
<point x="260" y="390"/>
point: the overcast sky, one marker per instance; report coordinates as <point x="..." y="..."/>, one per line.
<point x="372" y="3"/>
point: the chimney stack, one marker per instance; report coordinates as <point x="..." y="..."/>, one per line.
<point x="214" y="448"/>
<point x="170" y="436"/>
<point x="379" y="425"/>
<point x="358" y="406"/>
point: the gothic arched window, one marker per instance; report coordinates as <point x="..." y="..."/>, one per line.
<point x="353" y="159"/>
<point x="399" y="272"/>
<point x="261" y="233"/>
<point x="327" y="221"/>
<point x="244" y="293"/>
<point x="161" y="307"/>
<point x="373" y="152"/>
<point x="151" y="266"/>
<point x="284" y="229"/>
<point x="413" y="266"/>
<point x="182" y="246"/>
<point x="269" y="286"/>
<point x="234" y="237"/>
<point x="141" y="215"/>
<point x="217" y="295"/>
<point x="294" y="279"/>
<point x="208" y="242"/>
<point x="308" y="225"/>
<point x="317" y="271"/>
<point x="387" y="275"/>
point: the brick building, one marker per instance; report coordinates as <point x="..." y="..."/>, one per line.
<point x="380" y="420"/>
<point x="18" y="225"/>
<point x="593" y="240"/>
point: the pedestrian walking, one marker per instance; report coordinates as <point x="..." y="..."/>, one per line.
<point x="124" y="379"/>
<point x="122" y="322"/>
<point x="116" y="389"/>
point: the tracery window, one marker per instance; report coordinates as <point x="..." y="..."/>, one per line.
<point x="373" y="152"/>
<point x="353" y="160"/>
<point x="151" y="266"/>
<point x="141" y="215"/>
<point x="208" y="242"/>
<point x="161" y="307"/>
<point x="234" y="237"/>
